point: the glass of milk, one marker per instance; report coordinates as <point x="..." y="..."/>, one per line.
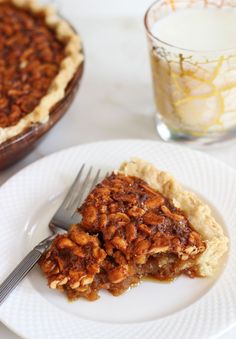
<point x="192" y="46"/>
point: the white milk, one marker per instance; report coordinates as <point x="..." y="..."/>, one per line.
<point x="195" y="91"/>
<point x="198" y="29"/>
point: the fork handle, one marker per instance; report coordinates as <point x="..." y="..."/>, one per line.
<point x="21" y="270"/>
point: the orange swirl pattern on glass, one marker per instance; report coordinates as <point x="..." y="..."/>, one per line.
<point x="194" y="93"/>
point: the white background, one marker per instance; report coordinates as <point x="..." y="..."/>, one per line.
<point x="115" y="99"/>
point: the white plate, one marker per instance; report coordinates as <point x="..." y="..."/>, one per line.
<point x="199" y="308"/>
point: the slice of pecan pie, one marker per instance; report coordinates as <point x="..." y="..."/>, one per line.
<point x="136" y="223"/>
<point x="39" y="55"/>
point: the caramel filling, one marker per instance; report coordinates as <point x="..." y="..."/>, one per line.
<point x="128" y="231"/>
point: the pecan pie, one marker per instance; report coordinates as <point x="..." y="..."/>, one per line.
<point x="39" y="55"/>
<point x="136" y="223"/>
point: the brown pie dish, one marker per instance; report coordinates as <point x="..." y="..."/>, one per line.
<point x="136" y="223"/>
<point x="41" y="63"/>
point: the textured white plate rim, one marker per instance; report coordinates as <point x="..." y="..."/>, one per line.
<point x="126" y="327"/>
<point x="102" y="142"/>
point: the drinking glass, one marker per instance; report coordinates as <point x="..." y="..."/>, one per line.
<point x="195" y="91"/>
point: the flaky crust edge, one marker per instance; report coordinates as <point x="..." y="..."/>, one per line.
<point x="197" y="212"/>
<point x="56" y="92"/>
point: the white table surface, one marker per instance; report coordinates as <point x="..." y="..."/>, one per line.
<point x="115" y="99"/>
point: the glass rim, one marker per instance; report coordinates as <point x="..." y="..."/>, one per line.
<point x="192" y="51"/>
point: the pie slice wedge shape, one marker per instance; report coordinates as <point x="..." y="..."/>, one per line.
<point x="138" y="222"/>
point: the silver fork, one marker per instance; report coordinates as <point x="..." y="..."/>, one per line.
<point x="62" y="219"/>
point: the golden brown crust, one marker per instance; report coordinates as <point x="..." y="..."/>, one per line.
<point x="198" y="213"/>
<point x="69" y="65"/>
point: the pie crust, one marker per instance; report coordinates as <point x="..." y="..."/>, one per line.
<point x="69" y="65"/>
<point x="197" y="212"/>
<point x="136" y="223"/>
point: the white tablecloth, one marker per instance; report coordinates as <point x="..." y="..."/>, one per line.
<point x="115" y="99"/>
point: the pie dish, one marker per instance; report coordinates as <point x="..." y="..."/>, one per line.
<point x="138" y="222"/>
<point x="41" y="57"/>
